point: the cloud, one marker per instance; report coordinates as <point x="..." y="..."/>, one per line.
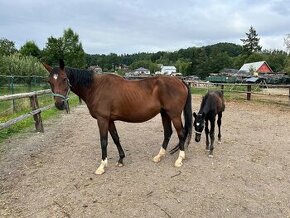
<point x="130" y="26"/>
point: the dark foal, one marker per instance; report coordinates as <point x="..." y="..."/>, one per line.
<point x="110" y="97"/>
<point x="212" y="104"/>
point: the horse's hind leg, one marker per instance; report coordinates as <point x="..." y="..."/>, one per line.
<point x="115" y="137"/>
<point x="167" y="135"/>
<point x="180" y="132"/>
<point x="219" y="123"/>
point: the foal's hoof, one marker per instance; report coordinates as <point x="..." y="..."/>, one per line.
<point x="100" y="171"/>
<point x="210" y="155"/>
<point x="119" y="164"/>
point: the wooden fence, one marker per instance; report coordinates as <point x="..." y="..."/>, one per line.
<point x="36" y="111"/>
<point x="249" y="91"/>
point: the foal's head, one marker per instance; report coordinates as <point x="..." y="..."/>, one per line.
<point x="198" y="125"/>
<point x="59" y="84"/>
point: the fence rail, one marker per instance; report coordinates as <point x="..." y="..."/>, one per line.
<point x="36" y="111"/>
<point x="249" y="86"/>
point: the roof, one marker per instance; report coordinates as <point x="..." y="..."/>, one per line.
<point x="141" y="69"/>
<point x="253" y="66"/>
<point x="168" y="68"/>
<point x="253" y="80"/>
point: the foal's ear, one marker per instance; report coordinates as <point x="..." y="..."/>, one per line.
<point x="194" y="114"/>
<point x="47" y="67"/>
<point x="61" y="64"/>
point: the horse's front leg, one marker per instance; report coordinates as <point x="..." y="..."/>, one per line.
<point x="206" y="130"/>
<point x="219" y="123"/>
<point x="103" y="128"/>
<point x="115" y="137"/>
<point x="211" y="133"/>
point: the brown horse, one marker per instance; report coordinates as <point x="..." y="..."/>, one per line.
<point x="110" y="97"/>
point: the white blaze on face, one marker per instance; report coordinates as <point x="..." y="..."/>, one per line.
<point x="55" y="76"/>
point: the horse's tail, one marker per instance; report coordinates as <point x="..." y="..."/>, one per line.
<point x="187" y="114"/>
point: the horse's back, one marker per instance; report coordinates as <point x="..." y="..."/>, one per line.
<point x="217" y="98"/>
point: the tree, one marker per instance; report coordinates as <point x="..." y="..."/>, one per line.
<point x="67" y="48"/>
<point x="251" y="43"/>
<point x="7" y="47"/>
<point x="287" y="43"/>
<point x="30" y="49"/>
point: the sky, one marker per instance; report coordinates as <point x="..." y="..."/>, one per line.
<point x="132" y="26"/>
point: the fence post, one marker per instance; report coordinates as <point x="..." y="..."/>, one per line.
<point x="222" y="88"/>
<point x="289" y="95"/>
<point x="249" y="87"/>
<point x="36" y="117"/>
<point x="12" y="92"/>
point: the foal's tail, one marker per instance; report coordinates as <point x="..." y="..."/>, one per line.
<point x="187" y="113"/>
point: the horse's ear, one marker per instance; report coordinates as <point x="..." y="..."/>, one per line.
<point x="194" y="114"/>
<point x="47" y="67"/>
<point x="61" y="64"/>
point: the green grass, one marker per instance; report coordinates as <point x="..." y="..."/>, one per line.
<point x="29" y="122"/>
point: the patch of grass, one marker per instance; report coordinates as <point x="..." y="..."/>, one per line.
<point x="29" y="122"/>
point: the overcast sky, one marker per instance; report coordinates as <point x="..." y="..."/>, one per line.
<point x="131" y="26"/>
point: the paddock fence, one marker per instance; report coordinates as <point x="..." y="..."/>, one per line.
<point x="245" y="91"/>
<point x="34" y="104"/>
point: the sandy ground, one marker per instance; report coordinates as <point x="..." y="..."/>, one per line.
<point x="52" y="174"/>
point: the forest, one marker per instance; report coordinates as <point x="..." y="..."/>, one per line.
<point x="199" y="61"/>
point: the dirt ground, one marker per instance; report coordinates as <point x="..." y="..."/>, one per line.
<point x="52" y="174"/>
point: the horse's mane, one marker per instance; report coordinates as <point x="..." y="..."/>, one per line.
<point x="79" y="77"/>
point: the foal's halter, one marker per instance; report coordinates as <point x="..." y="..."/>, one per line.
<point x="198" y="132"/>
<point x="65" y="97"/>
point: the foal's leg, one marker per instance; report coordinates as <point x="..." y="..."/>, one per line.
<point x="115" y="137"/>
<point x="103" y="128"/>
<point x="180" y="132"/>
<point x="219" y="123"/>
<point x="206" y="130"/>
<point x="167" y="135"/>
<point x="211" y="133"/>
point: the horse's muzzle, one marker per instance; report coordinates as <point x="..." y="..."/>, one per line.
<point x="197" y="137"/>
<point x="60" y="105"/>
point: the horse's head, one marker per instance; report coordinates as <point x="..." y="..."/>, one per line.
<point x="198" y="125"/>
<point x="59" y="84"/>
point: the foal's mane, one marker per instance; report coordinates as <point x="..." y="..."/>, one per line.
<point x="79" y="77"/>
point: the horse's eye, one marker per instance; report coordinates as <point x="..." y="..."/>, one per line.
<point x="64" y="79"/>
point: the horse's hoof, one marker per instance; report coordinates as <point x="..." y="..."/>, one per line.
<point x="207" y="149"/>
<point x="219" y="141"/>
<point x="119" y="164"/>
<point x="99" y="171"/>
<point x="210" y="155"/>
<point x="156" y="159"/>
<point x="178" y="163"/>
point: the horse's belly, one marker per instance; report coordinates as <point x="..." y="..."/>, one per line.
<point x="136" y="116"/>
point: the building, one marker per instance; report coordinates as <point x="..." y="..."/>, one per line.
<point x="95" y="69"/>
<point x="141" y="71"/>
<point x="168" y="70"/>
<point x="256" y="68"/>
